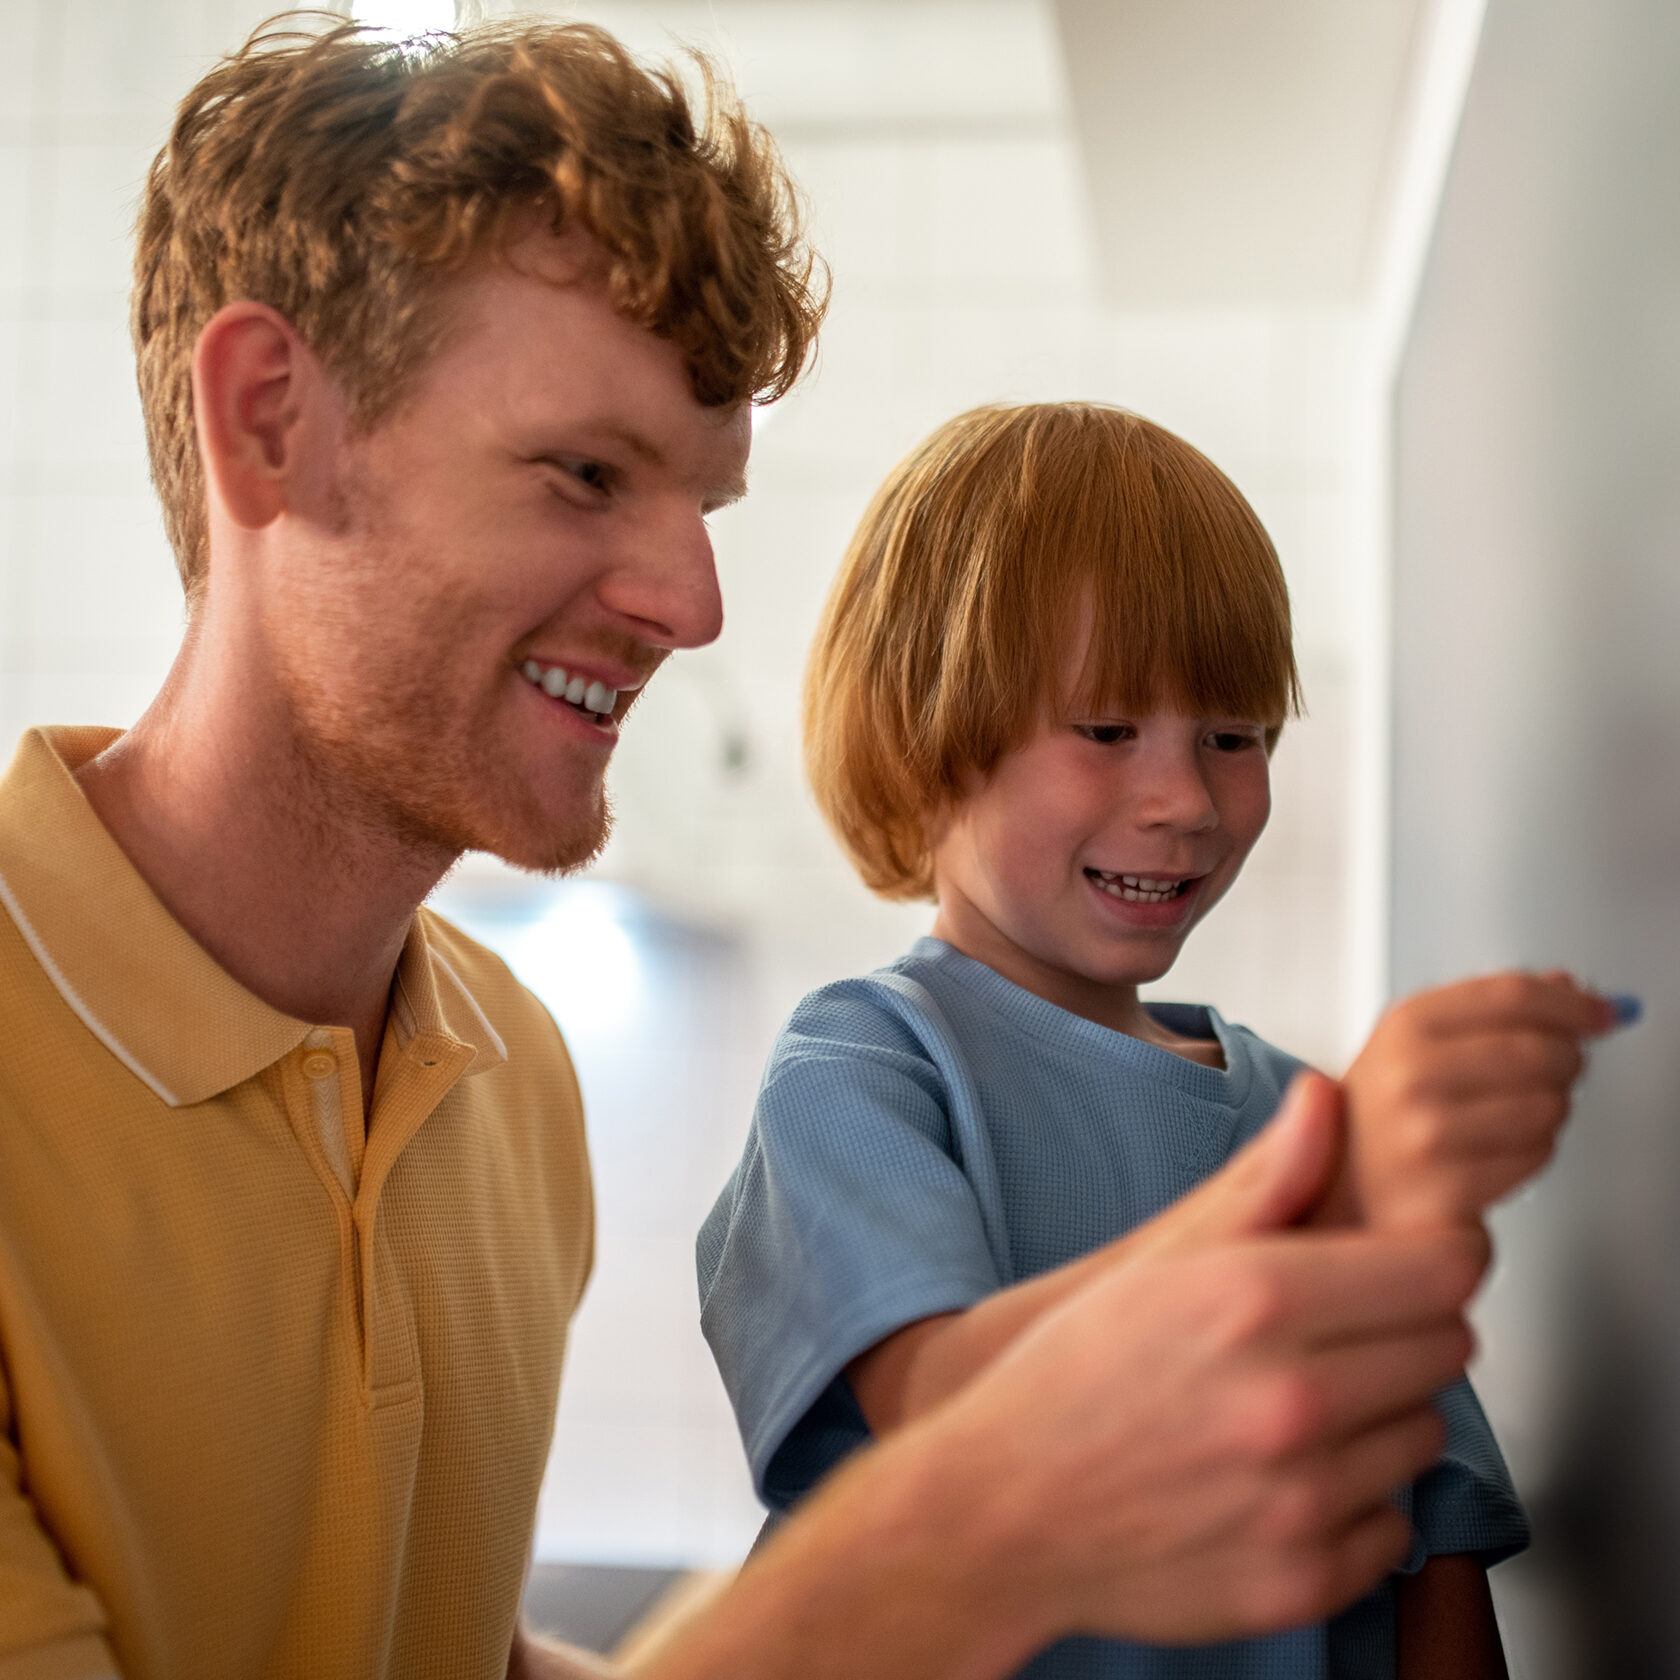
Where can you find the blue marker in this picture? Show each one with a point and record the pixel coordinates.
(1628, 1007)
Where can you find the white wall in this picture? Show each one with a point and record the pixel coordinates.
(1537, 794)
(89, 610)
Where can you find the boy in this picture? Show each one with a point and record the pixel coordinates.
(1045, 691)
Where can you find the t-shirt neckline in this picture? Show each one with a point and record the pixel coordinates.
(1028, 1012)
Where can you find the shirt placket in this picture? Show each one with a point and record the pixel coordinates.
(357, 1162)
(427, 1068)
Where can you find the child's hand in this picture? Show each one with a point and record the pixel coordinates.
(1458, 1097)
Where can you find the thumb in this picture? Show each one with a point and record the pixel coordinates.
(1267, 1185)
(1281, 1174)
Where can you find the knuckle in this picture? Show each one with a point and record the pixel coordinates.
(1404, 1024)
(1524, 1055)
(1426, 1437)
(1461, 1348)
(1300, 1509)
(1255, 1303)
(1302, 1590)
(1423, 1133)
(1285, 1412)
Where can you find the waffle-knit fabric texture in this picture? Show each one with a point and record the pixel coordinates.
(276, 1390)
(930, 1133)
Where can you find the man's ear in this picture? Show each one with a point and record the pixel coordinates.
(253, 378)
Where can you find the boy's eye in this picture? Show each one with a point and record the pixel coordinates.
(1104, 734)
(1233, 740)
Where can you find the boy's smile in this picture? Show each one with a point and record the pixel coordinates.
(1080, 865)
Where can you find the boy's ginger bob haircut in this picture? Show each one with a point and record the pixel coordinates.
(946, 633)
(339, 177)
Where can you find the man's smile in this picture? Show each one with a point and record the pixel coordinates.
(589, 696)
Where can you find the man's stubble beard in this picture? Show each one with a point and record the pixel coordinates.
(427, 792)
(437, 783)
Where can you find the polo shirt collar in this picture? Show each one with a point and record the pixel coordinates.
(154, 997)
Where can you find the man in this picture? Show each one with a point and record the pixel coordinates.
(445, 357)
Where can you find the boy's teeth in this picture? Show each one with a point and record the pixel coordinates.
(1136, 889)
(577, 691)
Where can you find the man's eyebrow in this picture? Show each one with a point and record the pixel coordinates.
(629, 437)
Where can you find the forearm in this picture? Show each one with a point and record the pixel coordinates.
(896, 1569)
(535, 1658)
(1444, 1623)
(920, 1366)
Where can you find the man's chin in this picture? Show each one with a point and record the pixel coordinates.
(538, 849)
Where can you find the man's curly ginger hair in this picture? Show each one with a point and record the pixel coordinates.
(339, 178)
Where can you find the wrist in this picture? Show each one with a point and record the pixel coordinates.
(954, 1517)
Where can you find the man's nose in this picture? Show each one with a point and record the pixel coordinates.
(667, 584)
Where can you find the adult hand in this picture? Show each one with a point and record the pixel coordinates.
(1194, 1449)
(1458, 1097)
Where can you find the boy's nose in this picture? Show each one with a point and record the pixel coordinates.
(1178, 797)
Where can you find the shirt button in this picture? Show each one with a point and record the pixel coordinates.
(319, 1064)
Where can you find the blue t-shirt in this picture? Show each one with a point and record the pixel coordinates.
(931, 1133)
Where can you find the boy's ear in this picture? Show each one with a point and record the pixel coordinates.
(254, 381)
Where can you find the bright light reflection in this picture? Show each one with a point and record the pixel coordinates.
(578, 958)
(405, 18)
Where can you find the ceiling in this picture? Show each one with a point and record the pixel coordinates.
(1238, 151)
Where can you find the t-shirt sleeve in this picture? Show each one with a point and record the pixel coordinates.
(848, 1217)
(51, 1627)
(1466, 1502)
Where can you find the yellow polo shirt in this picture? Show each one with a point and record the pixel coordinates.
(275, 1396)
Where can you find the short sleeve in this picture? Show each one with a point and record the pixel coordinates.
(51, 1627)
(1466, 1502)
(848, 1217)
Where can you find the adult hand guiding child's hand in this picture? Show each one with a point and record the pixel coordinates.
(1459, 1096)
(1217, 1435)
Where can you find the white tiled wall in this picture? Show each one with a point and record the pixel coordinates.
(933, 140)
(89, 608)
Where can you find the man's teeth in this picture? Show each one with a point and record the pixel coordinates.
(1136, 889)
(575, 691)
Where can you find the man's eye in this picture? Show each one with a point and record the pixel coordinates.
(1104, 734)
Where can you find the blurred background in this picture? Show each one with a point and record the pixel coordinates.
(1409, 270)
